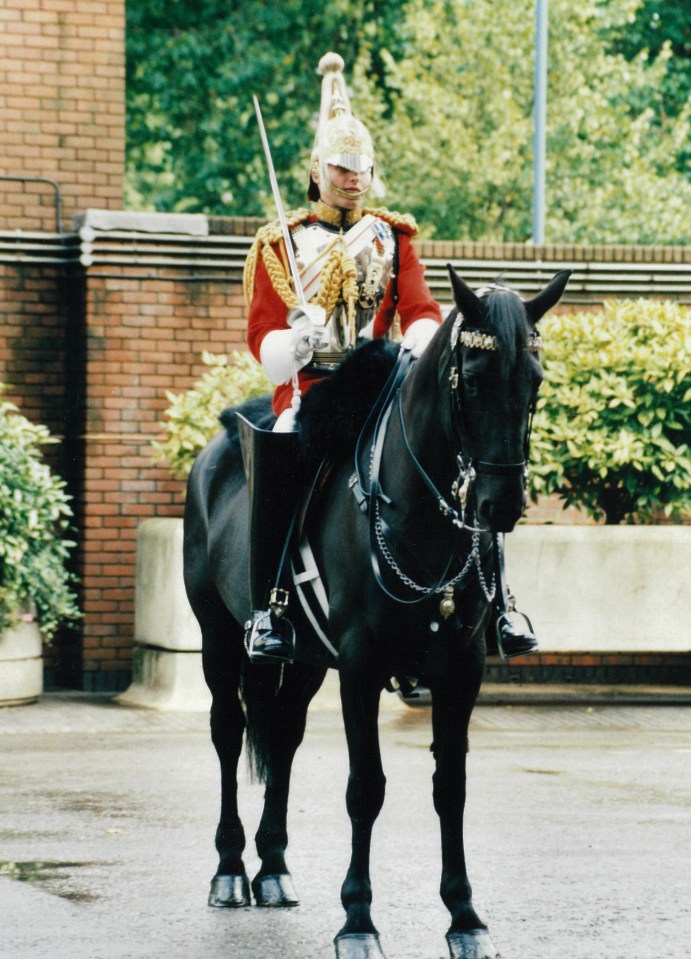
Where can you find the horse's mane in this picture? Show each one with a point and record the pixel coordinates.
(334, 410)
(501, 311)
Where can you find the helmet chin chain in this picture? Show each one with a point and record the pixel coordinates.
(348, 194)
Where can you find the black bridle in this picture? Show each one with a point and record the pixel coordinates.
(457, 416)
(370, 496)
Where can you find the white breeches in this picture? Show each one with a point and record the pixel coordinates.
(285, 422)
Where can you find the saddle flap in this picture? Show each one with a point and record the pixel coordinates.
(259, 444)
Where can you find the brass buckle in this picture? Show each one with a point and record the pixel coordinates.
(278, 600)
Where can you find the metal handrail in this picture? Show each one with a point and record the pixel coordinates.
(42, 179)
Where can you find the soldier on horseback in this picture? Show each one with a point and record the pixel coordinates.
(359, 274)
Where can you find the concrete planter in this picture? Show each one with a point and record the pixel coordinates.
(586, 589)
(167, 662)
(618, 589)
(21, 665)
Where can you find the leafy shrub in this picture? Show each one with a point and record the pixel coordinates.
(34, 518)
(611, 432)
(192, 417)
(613, 426)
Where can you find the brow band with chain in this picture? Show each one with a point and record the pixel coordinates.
(474, 339)
(487, 341)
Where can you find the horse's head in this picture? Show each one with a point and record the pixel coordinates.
(495, 374)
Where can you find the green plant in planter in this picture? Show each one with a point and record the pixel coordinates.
(613, 425)
(34, 522)
(192, 417)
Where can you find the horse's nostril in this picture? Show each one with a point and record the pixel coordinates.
(499, 516)
(486, 512)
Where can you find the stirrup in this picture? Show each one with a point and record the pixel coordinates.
(269, 638)
(515, 634)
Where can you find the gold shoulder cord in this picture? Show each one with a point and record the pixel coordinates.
(404, 221)
(338, 280)
(267, 237)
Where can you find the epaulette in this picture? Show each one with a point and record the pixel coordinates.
(268, 235)
(404, 222)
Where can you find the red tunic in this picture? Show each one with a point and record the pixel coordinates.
(415, 302)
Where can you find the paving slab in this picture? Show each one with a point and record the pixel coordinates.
(578, 834)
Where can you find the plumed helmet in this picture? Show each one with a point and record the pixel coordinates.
(341, 139)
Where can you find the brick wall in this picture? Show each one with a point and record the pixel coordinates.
(32, 341)
(143, 336)
(621, 669)
(62, 108)
(145, 328)
(90, 348)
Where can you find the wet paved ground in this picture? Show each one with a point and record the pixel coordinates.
(578, 835)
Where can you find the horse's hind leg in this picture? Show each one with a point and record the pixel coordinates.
(284, 727)
(222, 654)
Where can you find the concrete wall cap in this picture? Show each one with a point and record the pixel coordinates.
(128, 221)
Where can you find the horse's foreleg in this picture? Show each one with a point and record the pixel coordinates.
(221, 658)
(360, 692)
(273, 885)
(453, 700)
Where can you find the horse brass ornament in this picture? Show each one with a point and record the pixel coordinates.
(391, 559)
(447, 605)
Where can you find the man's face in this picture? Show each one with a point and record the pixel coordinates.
(348, 182)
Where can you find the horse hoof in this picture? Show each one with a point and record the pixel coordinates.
(275, 890)
(358, 945)
(230, 892)
(474, 944)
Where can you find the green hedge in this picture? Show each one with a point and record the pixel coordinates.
(613, 426)
(34, 527)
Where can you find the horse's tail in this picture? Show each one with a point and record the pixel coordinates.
(259, 689)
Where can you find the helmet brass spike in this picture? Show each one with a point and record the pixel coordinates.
(341, 139)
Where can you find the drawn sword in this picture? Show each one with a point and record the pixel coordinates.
(290, 252)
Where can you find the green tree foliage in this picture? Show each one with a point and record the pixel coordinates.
(656, 27)
(613, 427)
(661, 31)
(463, 114)
(34, 522)
(192, 67)
(446, 87)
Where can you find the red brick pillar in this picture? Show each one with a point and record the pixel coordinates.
(62, 109)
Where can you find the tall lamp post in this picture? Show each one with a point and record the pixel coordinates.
(540, 120)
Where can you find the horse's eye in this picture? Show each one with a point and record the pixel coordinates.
(470, 385)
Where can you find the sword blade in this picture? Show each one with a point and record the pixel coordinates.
(290, 252)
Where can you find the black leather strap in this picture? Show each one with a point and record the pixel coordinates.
(374, 426)
(501, 600)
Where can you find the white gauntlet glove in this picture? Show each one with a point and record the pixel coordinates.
(308, 332)
(367, 332)
(418, 335)
(283, 352)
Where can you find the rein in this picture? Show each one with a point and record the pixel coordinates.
(369, 499)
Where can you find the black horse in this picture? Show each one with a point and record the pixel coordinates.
(405, 531)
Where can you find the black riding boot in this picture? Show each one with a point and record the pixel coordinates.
(272, 467)
(512, 629)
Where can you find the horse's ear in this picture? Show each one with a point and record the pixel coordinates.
(538, 306)
(466, 301)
